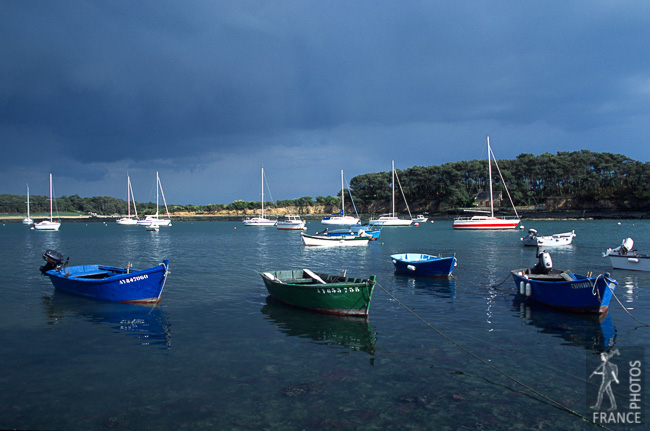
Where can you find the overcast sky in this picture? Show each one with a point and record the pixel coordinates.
(208, 92)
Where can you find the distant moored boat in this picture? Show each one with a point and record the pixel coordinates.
(28, 220)
(48, 224)
(488, 222)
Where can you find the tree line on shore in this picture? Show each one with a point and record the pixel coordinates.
(531, 180)
(583, 176)
(108, 205)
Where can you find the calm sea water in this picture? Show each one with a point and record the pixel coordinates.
(216, 355)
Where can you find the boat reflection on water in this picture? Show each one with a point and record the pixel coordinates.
(436, 286)
(352, 332)
(591, 331)
(147, 323)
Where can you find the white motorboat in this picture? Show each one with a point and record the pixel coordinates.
(625, 257)
(291, 222)
(558, 239)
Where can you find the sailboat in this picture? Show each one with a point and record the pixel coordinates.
(488, 222)
(340, 218)
(260, 221)
(28, 219)
(48, 224)
(129, 196)
(391, 219)
(154, 219)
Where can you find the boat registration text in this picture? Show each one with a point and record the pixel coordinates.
(582, 285)
(134, 279)
(339, 290)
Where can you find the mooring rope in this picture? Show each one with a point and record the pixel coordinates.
(503, 281)
(626, 310)
(557, 404)
(596, 292)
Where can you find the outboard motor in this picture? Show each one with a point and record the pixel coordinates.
(544, 263)
(53, 260)
(627, 245)
(532, 233)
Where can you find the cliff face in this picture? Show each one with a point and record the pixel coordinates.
(307, 210)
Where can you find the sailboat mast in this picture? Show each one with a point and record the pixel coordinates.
(157, 186)
(262, 192)
(342, 196)
(393, 166)
(27, 200)
(133, 198)
(50, 196)
(128, 196)
(490, 177)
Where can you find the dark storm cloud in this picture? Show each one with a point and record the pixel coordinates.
(185, 83)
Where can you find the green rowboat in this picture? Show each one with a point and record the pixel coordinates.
(324, 293)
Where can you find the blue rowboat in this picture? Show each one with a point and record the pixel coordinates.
(564, 290)
(424, 264)
(106, 283)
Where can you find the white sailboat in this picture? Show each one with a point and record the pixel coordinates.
(154, 219)
(260, 221)
(28, 219)
(129, 197)
(48, 224)
(391, 219)
(488, 222)
(340, 219)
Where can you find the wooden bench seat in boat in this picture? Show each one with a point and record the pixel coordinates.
(96, 275)
(553, 275)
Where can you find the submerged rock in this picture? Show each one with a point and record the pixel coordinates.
(302, 389)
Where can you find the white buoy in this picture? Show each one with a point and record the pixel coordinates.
(528, 289)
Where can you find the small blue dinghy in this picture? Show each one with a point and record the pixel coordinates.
(106, 283)
(564, 290)
(424, 264)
